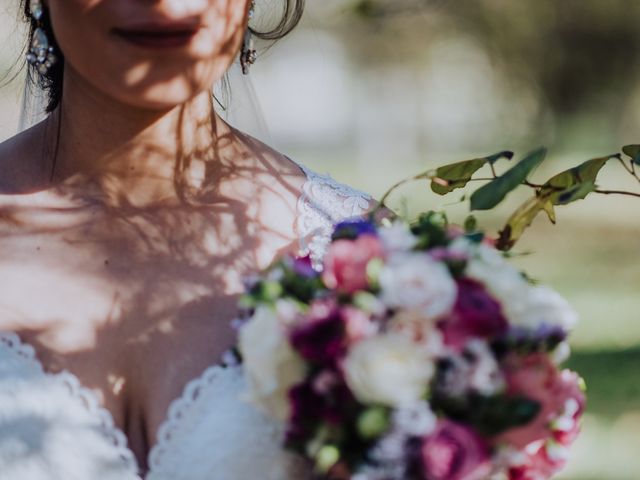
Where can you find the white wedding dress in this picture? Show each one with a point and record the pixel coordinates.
(53, 428)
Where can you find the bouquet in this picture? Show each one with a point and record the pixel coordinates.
(416, 352)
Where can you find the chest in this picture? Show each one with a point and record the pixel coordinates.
(135, 310)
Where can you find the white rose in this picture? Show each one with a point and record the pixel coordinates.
(271, 366)
(388, 369)
(543, 306)
(503, 280)
(524, 305)
(415, 281)
(397, 237)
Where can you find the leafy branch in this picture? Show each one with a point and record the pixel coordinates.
(563, 188)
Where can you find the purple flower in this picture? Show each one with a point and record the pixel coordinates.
(321, 339)
(352, 229)
(475, 315)
(311, 408)
(306, 411)
(303, 267)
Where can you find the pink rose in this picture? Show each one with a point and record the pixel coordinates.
(537, 378)
(454, 452)
(345, 265)
(475, 315)
(358, 324)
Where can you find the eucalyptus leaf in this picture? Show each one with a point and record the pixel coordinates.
(457, 175)
(491, 194)
(632, 151)
(549, 210)
(497, 156)
(575, 183)
(565, 187)
(577, 192)
(521, 219)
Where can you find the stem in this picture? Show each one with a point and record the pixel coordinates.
(493, 170)
(381, 203)
(633, 171)
(630, 170)
(617, 192)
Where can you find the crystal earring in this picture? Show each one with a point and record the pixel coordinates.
(41, 53)
(248, 53)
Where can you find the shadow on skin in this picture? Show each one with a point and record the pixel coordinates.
(165, 277)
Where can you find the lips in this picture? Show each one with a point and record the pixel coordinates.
(156, 36)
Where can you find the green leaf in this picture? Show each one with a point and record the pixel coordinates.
(457, 175)
(497, 156)
(490, 415)
(491, 194)
(575, 183)
(521, 219)
(565, 187)
(577, 192)
(632, 151)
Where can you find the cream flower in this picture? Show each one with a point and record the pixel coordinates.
(271, 366)
(524, 305)
(503, 280)
(414, 281)
(543, 306)
(397, 237)
(388, 369)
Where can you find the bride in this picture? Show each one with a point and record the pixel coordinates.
(129, 219)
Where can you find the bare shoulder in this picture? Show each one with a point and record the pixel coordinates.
(269, 161)
(21, 161)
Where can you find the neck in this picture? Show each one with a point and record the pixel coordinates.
(133, 154)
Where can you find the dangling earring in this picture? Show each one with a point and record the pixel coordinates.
(41, 53)
(248, 53)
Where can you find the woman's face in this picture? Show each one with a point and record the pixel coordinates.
(149, 53)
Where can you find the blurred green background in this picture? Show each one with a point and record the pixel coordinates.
(372, 91)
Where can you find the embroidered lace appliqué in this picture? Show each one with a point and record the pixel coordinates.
(324, 202)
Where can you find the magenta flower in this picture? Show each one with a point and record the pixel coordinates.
(311, 408)
(475, 315)
(454, 452)
(345, 265)
(321, 338)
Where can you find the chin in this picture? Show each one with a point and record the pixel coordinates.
(163, 92)
(161, 96)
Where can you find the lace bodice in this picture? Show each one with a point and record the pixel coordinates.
(51, 427)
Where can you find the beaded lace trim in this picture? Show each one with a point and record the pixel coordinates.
(322, 203)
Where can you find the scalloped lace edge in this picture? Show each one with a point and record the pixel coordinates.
(77, 391)
(178, 409)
